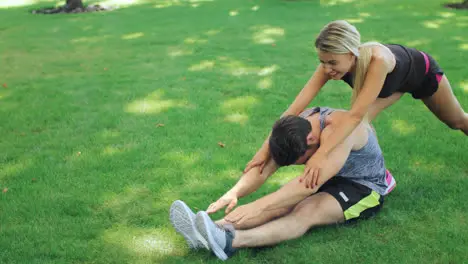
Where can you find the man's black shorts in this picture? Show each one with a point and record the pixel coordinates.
(356, 200)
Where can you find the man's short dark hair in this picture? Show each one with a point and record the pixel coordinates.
(288, 140)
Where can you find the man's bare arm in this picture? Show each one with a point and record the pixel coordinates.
(253, 179)
(295, 191)
(248, 183)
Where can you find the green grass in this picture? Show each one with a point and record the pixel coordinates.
(91, 176)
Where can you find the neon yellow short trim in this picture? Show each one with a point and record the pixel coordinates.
(369, 201)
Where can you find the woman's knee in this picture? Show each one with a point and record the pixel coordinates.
(459, 123)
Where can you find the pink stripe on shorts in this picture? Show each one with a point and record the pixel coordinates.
(428, 65)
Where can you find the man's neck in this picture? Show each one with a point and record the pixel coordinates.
(314, 121)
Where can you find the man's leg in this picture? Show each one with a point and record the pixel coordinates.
(318, 209)
(339, 199)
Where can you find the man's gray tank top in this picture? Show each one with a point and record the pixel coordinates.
(364, 166)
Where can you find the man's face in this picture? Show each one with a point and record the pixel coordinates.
(336, 65)
(304, 158)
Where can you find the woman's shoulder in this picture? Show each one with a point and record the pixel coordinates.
(382, 53)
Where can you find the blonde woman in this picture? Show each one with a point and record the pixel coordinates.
(379, 75)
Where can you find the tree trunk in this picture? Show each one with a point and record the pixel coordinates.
(458, 5)
(73, 4)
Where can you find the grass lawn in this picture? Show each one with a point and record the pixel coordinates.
(107, 118)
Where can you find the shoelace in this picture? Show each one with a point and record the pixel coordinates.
(220, 228)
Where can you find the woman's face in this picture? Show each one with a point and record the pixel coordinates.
(336, 65)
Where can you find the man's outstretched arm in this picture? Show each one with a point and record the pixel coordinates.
(294, 191)
(247, 184)
(251, 181)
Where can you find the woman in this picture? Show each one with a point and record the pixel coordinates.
(379, 75)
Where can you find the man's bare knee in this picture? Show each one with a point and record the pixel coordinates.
(318, 209)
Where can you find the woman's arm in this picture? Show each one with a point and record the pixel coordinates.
(307, 94)
(375, 78)
(373, 83)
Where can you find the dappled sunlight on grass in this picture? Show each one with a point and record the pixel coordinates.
(133, 35)
(171, 3)
(195, 40)
(233, 13)
(203, 65)
(178, 52)
(464, 46)
(121, 3)
(198, 182)
(135, 204)
(403, 127)
(265, 83)
(117, 149)
(143, 242)
(434, 24)
(12, 168)
(464, 86)
(446, 14)
(335, 2)
(109, 3)
(418, 42)
(18, 3)
(110, 133)
(239, 68)
(184, 158)
(268, 70)
(110, 117)
(431, 24)
(420, 163)
(266, 34)
(237, 118)
(203, 181)
(169, 194)
(90, 39)
(152, 104)
(212, 32)
(243, 103)
(355, 20)
(4, 94)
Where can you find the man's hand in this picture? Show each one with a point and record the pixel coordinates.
(312, 170)
(260, 159)
(243, 213)
(229, 200)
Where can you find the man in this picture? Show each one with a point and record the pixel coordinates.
(351, 185)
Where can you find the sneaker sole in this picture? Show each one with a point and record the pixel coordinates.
(202, 220)
(182, 221)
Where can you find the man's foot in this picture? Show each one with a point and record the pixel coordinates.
(219, 238)
(183, 220)
(391, 183)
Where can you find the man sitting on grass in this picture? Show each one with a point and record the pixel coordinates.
(351, 185)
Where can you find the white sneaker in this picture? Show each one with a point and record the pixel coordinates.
(183, 220)
(219, 238)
